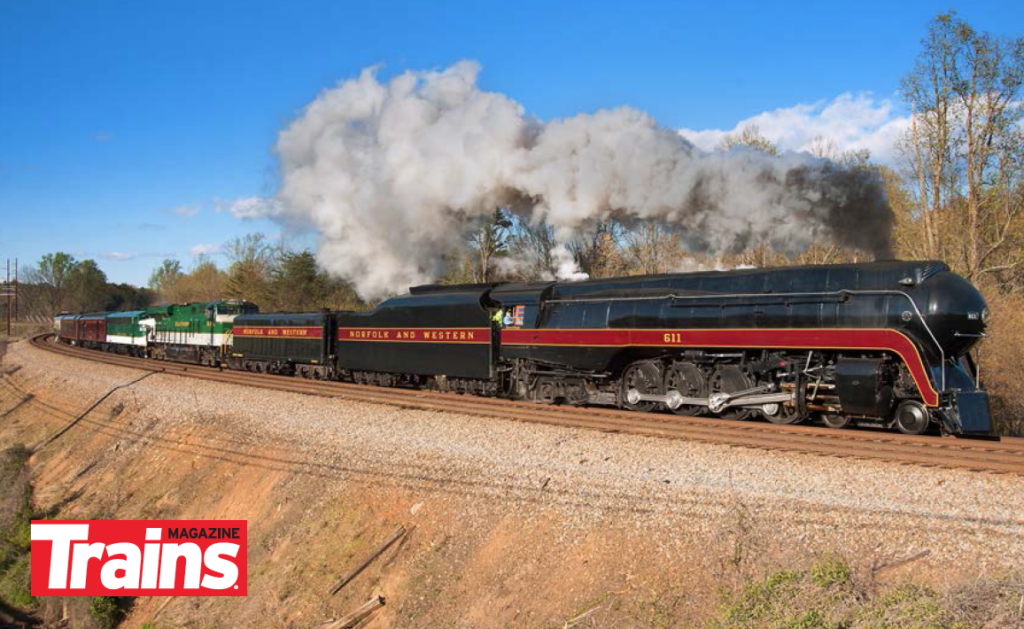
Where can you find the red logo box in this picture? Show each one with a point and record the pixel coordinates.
(139, 558)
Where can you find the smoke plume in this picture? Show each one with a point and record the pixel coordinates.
(392, 175)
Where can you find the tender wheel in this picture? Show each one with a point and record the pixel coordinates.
(729, 379)
(834, 420)
(690, 382)
(913, 418)
(645, 378)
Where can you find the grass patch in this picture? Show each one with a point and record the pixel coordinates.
(15, 530)
(826, 596)
(818, 598)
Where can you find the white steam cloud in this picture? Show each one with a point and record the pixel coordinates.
(393, 174)
(849, 121)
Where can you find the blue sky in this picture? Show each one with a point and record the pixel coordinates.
(125, 126)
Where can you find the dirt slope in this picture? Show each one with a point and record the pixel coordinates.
(510, 524)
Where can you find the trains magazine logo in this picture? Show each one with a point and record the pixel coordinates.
(139, 558)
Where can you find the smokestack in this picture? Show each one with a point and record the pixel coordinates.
(393, 175)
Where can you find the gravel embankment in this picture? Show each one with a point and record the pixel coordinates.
(585, 477)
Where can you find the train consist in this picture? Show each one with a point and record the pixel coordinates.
(882, 343)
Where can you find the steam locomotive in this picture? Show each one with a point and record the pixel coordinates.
(882, 343)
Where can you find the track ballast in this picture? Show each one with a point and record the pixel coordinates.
(1006, 456)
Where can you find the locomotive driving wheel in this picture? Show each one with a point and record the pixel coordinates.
(789, 413)
(645, 378)
(687, 379)
(730, 379)
(835, 420)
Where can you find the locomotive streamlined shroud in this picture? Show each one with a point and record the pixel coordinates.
(920, 312)
(434, 330)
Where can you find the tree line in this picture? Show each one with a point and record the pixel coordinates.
(271, 276)
(61, 283)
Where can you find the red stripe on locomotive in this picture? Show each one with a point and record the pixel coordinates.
(855, 339)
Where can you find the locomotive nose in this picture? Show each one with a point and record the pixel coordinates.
(955, 311)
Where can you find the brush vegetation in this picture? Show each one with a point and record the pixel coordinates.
(829, 596)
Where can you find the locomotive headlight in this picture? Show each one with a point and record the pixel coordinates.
(984, 315)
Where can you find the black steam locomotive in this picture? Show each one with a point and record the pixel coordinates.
(883, 343)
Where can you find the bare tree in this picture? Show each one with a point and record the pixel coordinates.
(649, 247)
(750, 135)
(252, 262)
(250, 248)
(963, 148)
(529, 249)
(164, 278)
(490, 241)
(594, 251)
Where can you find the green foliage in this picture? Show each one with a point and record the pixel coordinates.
(831, 573)
(764, 601)
(15, 584)
(109, 611)
(821, 597)
(252, 260)
(274, 279)
(52, 273)
(87, 286)
(163, 279)
(127, 297)
(15, 529)
(54, 268)
(62, 284)
(824, 596)
(297, 284)
(908, 607)
(247, 279)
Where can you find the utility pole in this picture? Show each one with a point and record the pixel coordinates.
(7, 291)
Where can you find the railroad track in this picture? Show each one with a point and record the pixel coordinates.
(1005, 456)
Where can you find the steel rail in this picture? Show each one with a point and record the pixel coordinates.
(1006, 456)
